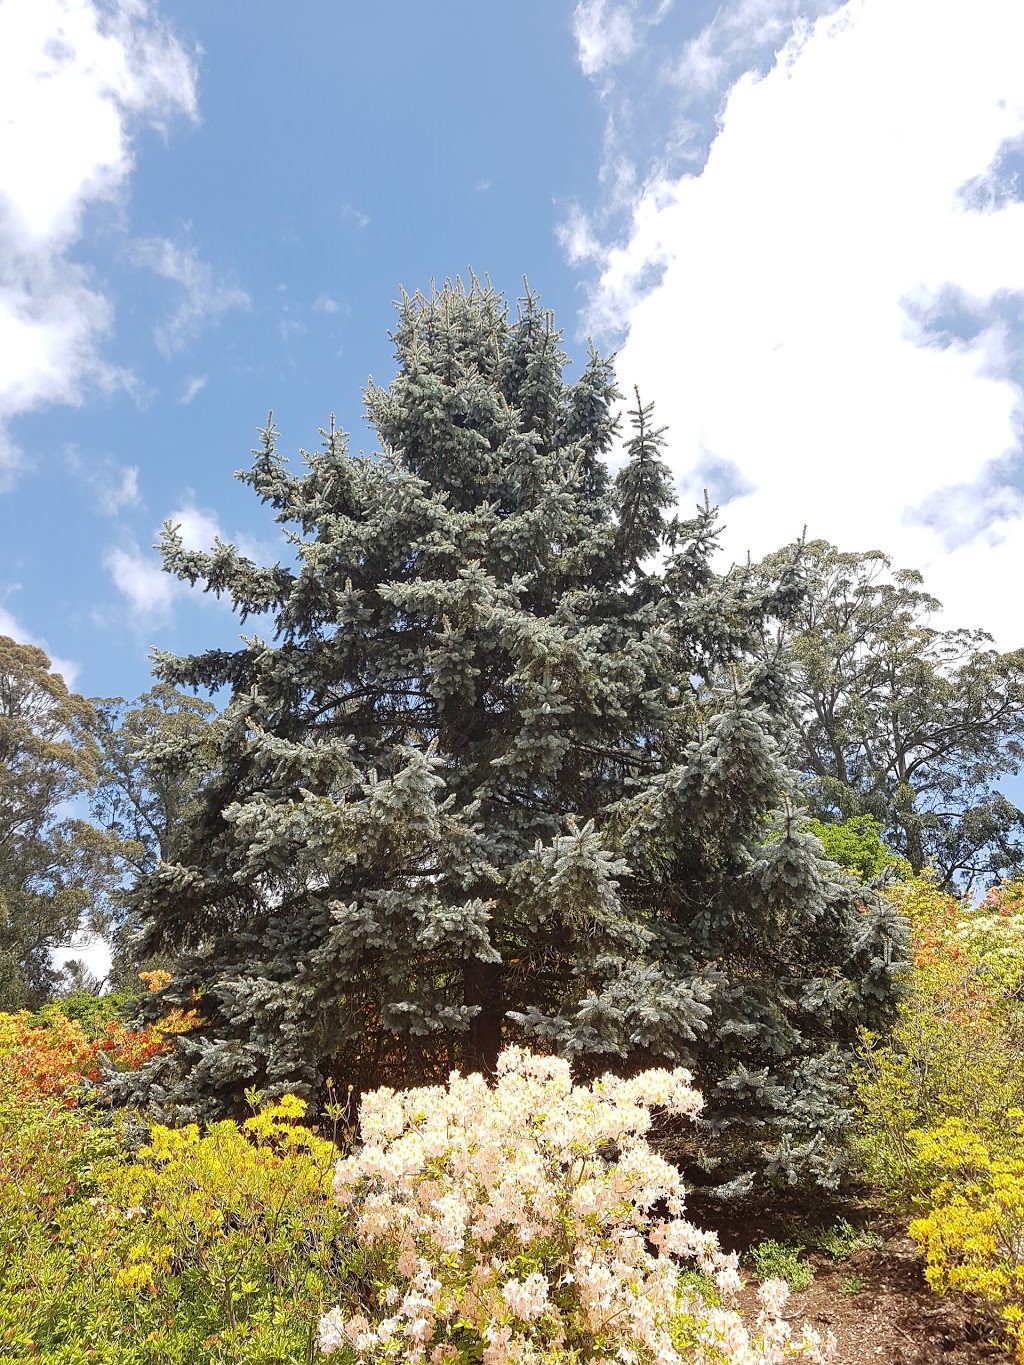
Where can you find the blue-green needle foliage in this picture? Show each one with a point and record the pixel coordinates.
(494, 768)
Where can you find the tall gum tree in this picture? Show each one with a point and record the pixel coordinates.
(54, 867)
(900, 720)
(489, 774)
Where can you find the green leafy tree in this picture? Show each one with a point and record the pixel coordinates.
(154, 758)
(53, 867)
(495, 775)
(899, 720)
(857, 845)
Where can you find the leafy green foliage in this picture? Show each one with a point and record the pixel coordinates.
(53, 869)
(780, 1260)
(841, 1240)
(857, 845)
(215, 1247)
(942, 1098)
(94, 1012)
(153, 761)
(898, 720)
(954, 1050)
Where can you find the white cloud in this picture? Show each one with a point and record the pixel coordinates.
(12, 627)
(92, 951)
(74, 78)
(578, 238)
(737, 36)
(785, 307)
(325, 304)
(204, 297)
(198, 529)
(114, 486)
(193, 388)
(142, 582)
(604, 34)
(123, 491)
(149, 591)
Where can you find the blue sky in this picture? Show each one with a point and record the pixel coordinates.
(798, 220)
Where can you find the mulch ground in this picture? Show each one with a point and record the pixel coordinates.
(876, 1301)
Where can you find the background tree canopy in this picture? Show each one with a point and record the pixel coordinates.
(52, 865)
(153, 759)
(898, 720)
(485, 772)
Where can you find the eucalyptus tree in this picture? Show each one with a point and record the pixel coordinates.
(53, 866)
(900, 720)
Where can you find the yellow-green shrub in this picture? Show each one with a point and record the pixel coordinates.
(954, 1052)
(215, 1246)
(935, 1094)
(973, 1235)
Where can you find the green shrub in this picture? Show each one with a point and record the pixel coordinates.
(842, 1239)
(93, 1012)
(781, 1261)
(215, 1246)
(956, 1046)
(942, 1098)
(856, 844)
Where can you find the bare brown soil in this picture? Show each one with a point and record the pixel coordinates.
(876, 1301)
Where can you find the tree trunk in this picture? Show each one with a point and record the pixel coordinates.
(482, 984)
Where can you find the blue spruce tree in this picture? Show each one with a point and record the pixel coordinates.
(501, 770)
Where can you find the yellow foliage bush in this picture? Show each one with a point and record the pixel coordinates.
(934, 1095)
(973, 1235)
(221, 1245)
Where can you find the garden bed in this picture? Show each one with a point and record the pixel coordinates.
(875, 1299)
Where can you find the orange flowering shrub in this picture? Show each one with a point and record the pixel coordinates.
(1005, 900)
(935, 917)
(56, 1056)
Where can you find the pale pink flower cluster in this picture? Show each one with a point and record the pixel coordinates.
(522, 1215)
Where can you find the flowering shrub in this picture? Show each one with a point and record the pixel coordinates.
(935, 1096)
(973, 1236)
(50, 1161)
(994, 936)
(531, 1221)
(53, 1054)
(220, 1246)
(955, 1048)
(57, 1057)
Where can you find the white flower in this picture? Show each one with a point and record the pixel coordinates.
(526, 1298)
(454, 1181)
(331, 1331)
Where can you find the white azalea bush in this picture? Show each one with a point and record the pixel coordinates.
(530, 1221)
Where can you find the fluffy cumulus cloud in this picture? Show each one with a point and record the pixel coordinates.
(828, 312)
(75, 77)
(149, 592)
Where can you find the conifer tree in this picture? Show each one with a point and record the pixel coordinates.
(493, 768)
